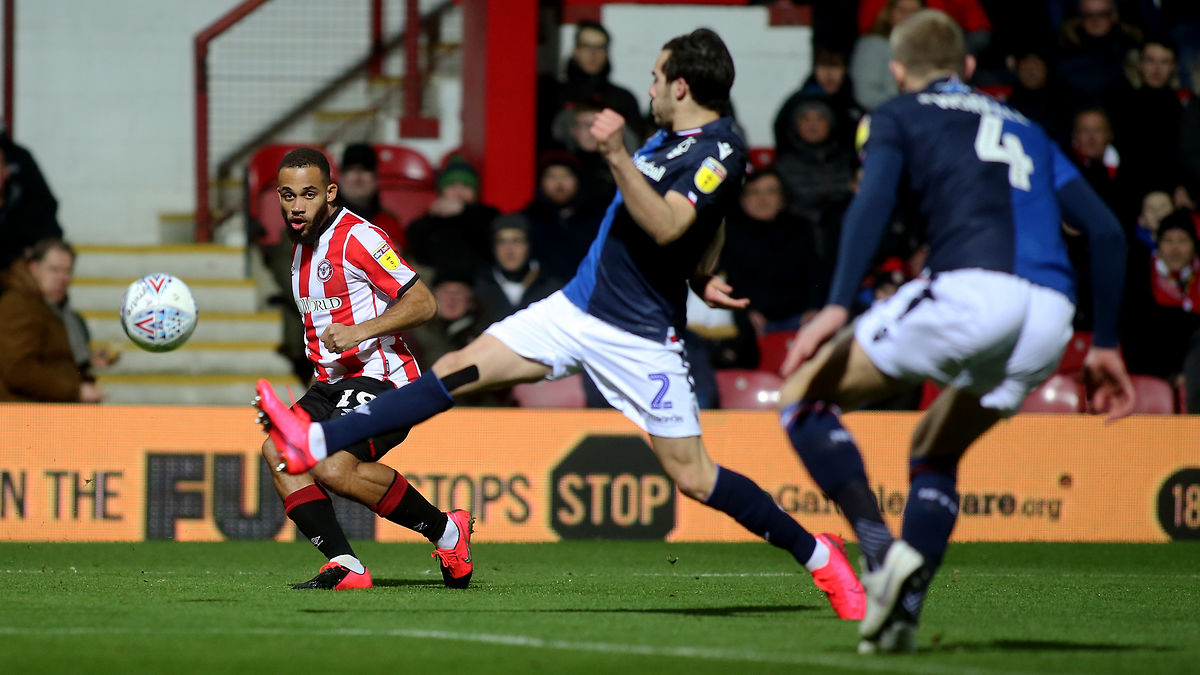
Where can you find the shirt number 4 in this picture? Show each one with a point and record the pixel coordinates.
(992, 145)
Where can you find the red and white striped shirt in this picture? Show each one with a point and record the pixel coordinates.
(352, 275)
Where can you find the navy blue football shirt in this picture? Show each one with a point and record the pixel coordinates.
(630, 281)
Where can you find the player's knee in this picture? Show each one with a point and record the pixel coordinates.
(335, 472)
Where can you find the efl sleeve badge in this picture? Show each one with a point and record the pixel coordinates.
(710, 175)
(386, 256)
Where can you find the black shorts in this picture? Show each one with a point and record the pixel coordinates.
(324, 401)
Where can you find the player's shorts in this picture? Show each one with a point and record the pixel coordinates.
(992, 334)
(325, 401)
(648, 381)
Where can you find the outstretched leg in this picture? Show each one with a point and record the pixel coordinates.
(486, 363)
(698, 477)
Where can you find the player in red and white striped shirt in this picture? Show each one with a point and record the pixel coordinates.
(356, 296)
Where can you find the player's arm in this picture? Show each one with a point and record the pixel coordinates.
(415, 306)
(710, 287)
(1109, 387)
(664, 218)
(862, 228)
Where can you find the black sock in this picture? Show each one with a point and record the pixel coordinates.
(312, 511)
(404, 505)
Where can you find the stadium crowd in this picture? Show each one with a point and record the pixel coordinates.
(1114, 82)
(1110, 80)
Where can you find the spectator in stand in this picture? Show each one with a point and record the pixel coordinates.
(358, 190)
(562, 220)
(1156, 205)
(587, 82)
(1146, 119)
(1181, 20)
(828, 81)
(1189, 139)
(455, 233)
(966, 13)
(769, 256)
(716, 339)
(817, 172)
(1161, 331)
(1100, 165)
(52, 264)
(873, 82)
(1092, 49)
(458, 318)
(572, 128)
(1099, 162)
(515, 280)
(28, 210)
(1037, 96)
(36, 363)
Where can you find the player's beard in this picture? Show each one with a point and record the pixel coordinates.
(311, 233)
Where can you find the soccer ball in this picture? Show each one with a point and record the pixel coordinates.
(158, 312)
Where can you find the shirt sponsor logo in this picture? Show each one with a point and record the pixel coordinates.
(724, 149)
(710, 175)
(324, 270)
(652, 170)
(682, 147)
(310, 305)
(386, 256)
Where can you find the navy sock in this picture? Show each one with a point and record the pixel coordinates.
(930, 513)
(416, 402)
(751, 506)
(834, 462)
(929, 518)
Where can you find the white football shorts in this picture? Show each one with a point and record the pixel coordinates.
(647, 381)
(995, 335)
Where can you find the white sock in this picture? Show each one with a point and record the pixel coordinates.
(316, 443)
(819, 557)
(449, 538)
(349, 562)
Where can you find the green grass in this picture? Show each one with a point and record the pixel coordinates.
(582, 607)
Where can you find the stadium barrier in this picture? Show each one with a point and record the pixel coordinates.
(79, 473)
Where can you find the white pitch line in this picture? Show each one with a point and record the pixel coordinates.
(890, 664)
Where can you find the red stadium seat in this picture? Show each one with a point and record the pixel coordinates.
(564, 393)
(406, 182)
(1060, 394)
(748, 389)
(1077, 349)
(262, 202)
(1154, 396)
(761, 158)
(773, 349)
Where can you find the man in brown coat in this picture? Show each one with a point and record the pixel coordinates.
(35, 355)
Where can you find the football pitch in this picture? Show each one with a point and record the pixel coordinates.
(582, 607)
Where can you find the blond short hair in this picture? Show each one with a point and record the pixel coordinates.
(928, 42)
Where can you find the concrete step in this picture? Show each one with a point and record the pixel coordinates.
(231, 390)
(265, 327)
(212, 295)
(186, 261)
(197, 358)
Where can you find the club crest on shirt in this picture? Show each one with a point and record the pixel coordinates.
(324, 270)
(386, 256)
(710, 175)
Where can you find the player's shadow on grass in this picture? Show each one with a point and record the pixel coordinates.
(432, 582)
(737, 610)
(1042, 646)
